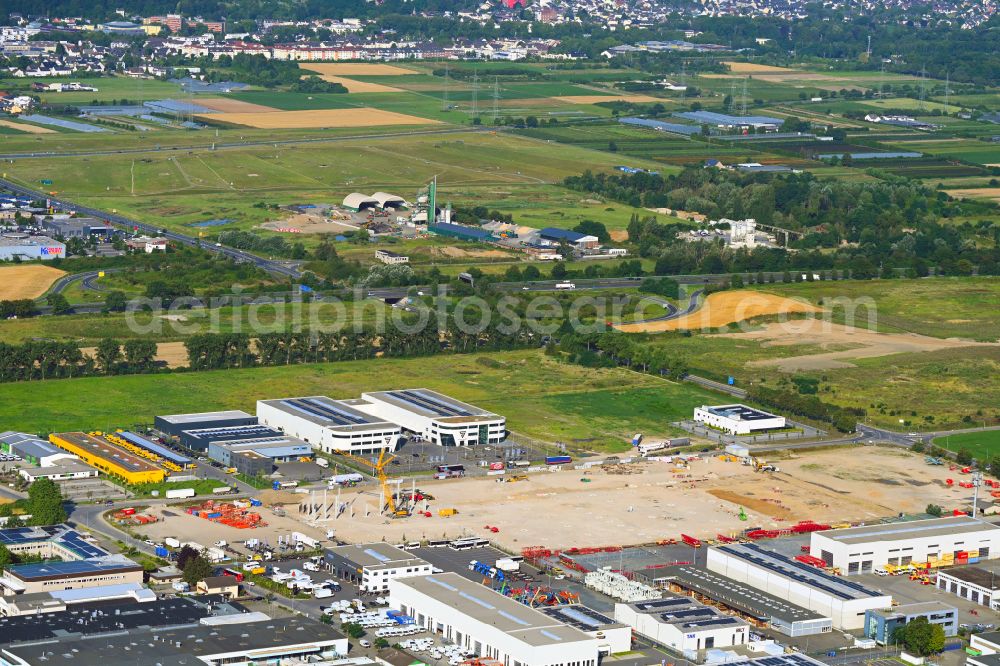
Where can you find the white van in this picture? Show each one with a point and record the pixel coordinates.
(322, 593)
(879, 571)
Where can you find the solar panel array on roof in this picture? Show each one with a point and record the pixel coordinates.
(161, 451)
(578, 616)
(429, 403)
(746, 599)
(205, 435)
(72, 568)
(799, 571)
(325, 411)
(68, 538)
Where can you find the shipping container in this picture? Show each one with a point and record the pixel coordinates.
(179, 493)
(222, 490)
(558, 460)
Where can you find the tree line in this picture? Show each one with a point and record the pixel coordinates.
(38, 360)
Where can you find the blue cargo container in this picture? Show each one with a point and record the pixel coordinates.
(161, 551)
(255, 502)
(557, 460)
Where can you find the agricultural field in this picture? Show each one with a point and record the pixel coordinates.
(544, 399)
(178, 189)
(28, 281)
(109, 88)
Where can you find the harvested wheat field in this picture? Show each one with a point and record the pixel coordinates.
(360, 117)
(29, 129)
(653, 502)
(861, 343)
(233, 106)
(594, 99)
(173, 354)
(17, 282)
(355, 69)
(726, 307)
(754, 68)
(359, 86)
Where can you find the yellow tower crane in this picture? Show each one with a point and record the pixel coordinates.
(378, 471)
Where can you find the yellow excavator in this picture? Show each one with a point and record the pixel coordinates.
(378, 471)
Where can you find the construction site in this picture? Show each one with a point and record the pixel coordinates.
(654, 501)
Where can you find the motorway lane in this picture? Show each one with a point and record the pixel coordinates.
(274, 267)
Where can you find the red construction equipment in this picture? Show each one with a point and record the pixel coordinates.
(722, 538)
(949, 482)
(966, 484)
(691, 541)
(811, 560)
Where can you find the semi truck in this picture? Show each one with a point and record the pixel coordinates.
(299, 537)
(322, 462)
(565, 285)
(179, 493)
(645, 448)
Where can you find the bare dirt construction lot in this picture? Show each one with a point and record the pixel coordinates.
(558, 510)
(355, 69)
(304, 223)
(233, 105)
(864, 343)
(173, 354)
(726, 307)
(360, 117)
(24, 127)
(17, 282)
(459, 253)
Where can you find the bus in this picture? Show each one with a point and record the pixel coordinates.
(451, 470)
(463, 544)
(565, 285)
(519, 463)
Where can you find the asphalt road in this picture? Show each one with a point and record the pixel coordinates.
(282, 269)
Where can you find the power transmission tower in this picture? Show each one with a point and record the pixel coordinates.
(947, 91)
(496, 98)
(732, 97)
(444, 98)
(475, 95)
(743, 104)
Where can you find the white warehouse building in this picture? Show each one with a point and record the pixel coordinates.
(861, 549)
(737, 419)
(435, 417)
(372, 565)
(491, 624)
(330, 425)
(683, 624)
(839, 599)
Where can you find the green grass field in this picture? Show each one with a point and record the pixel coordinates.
(175, 188)
(938, 307)
(108, 88)
(983, 445)
(540, 397)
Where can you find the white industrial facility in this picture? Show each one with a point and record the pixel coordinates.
(683, 624)
(372, 565)
(330, 425)
(839, 599)
(737, 419)
(435, 417)
(862, 549)
(977, 585)
(491, 624)
(18, 246)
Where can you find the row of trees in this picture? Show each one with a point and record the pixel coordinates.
(47, 359)
(612, 348)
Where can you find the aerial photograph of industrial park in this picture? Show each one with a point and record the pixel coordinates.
(499, 333)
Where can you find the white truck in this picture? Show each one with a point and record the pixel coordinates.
(299, 537)
(222, 490)
(507, 564)
(179, 493)
(310, 566)
(322, 462)
(565, 285)
(173, 542)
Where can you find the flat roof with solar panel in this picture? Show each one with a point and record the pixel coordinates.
(686, 614)
(429, 404)
(329, 413)
(60, 535)
(74, 569)
(798, 571)
(581, 617)
(202, 437)
(737, 596)
(482, 604)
